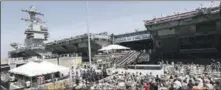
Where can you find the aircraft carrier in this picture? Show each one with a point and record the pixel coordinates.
(188, 37)
(193, 36)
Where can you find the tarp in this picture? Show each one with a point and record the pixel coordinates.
(54, 67)
(113, 47)
(28, 69)
(31, 69)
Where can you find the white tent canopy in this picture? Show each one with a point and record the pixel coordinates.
(28, 69)
(113, 47)
(34, 69)
(54, 67)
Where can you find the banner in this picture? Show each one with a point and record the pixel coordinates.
(133, 38)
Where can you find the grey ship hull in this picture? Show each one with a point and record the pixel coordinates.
(196, 39)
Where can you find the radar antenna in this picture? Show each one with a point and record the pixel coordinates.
(32, 12)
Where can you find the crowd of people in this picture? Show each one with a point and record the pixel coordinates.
(127, 81)
(176, 77)
(85, 77)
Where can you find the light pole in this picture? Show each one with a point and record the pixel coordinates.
(88, 34)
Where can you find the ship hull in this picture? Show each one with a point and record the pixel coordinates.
(173, 50)
(198, 44)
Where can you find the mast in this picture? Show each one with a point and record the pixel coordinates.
(32, 13)
(89, 36)
(37, 32)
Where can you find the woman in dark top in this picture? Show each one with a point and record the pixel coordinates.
(155, 86)
(190, 85)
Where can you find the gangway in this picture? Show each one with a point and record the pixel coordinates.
(128, 58)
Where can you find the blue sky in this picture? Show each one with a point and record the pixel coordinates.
(68, 18)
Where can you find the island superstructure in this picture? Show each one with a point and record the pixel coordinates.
(36, 34)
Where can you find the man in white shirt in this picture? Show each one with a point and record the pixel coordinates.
(177, 84)
(13, 78)
(28, 84)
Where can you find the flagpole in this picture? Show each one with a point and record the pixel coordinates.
(88, 33)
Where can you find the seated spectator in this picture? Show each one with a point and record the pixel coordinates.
(147, 86)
